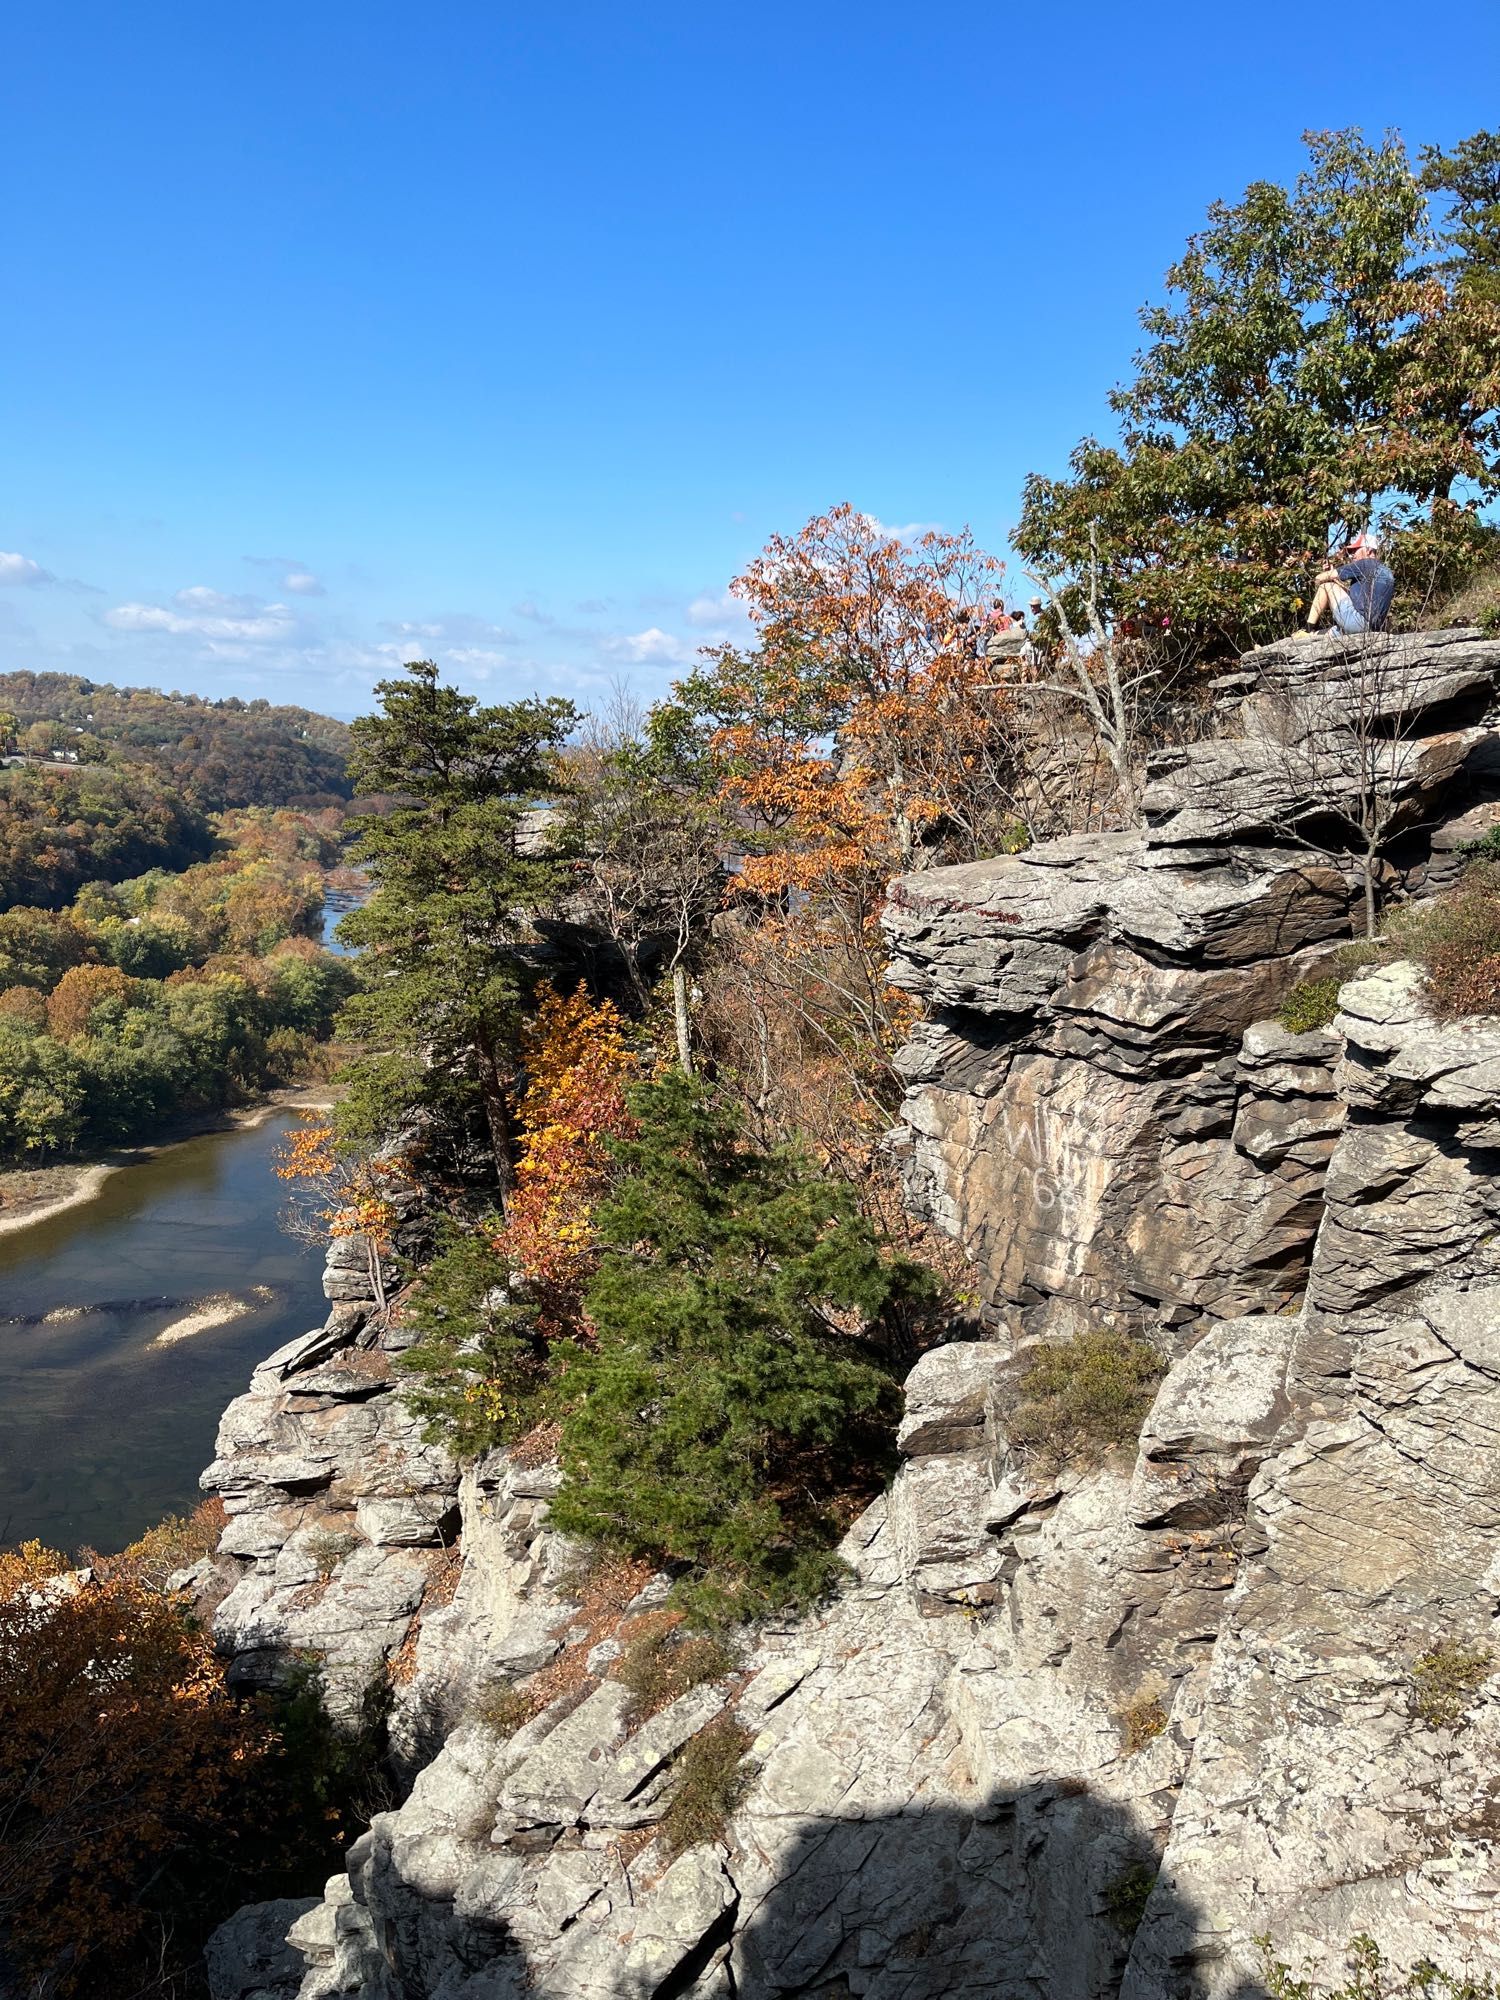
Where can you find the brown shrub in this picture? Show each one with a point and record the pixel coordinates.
(1081, 1397)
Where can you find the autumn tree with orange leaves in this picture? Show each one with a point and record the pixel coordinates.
(341, 1193)
(852, 729)
(123, 1760)
(579, 1064)
(862, 737)
(499, 1309)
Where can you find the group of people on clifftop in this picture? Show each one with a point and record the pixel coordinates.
(992, 633)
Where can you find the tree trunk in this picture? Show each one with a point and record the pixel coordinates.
(373, 1270)
(680, 1017)
(1369, 885)
(497, 1118)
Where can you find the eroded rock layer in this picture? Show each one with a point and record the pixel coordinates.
(1066, 1734)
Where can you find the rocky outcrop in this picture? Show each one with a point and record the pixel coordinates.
(1085, 1730)
(1086, 1114)
(341, 1516)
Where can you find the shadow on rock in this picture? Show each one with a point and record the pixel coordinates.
(1038, 1895)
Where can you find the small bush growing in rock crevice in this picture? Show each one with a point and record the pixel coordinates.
(712, 1778)
(657, 1666)
(1445, 1681)
(328, 1547)
(504, 1707)
(1456, 940)
(1311, 1004)
(1081, 1397)
(1126, 1897)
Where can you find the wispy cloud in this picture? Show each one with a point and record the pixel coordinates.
(296, 575)
(533, 612)
(201, 613)
(16, 568)
(907, 531)
(651, 648)
(715, 608)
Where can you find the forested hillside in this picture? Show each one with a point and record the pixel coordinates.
(220, 753)
(173, 992)
(62, 825)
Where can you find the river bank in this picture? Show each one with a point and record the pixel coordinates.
(30, 1195)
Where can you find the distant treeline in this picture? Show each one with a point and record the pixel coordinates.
(219, 754)
(174, 992)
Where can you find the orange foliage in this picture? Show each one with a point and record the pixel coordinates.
(120, 1752)
(79, 992)
(578, 1066)
(345, 1195)
(847, 733)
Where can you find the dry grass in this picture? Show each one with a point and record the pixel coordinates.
(1445, 1681)
(712, 1778)
(506, 1707)
(1469, 604)
(1141, 1720)
(173, 1544)
(660, 1663)
(1082, 1397)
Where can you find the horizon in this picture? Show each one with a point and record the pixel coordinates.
(508, 344)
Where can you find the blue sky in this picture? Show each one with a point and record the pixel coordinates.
(339, 332)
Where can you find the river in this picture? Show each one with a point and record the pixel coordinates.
(101, 1430)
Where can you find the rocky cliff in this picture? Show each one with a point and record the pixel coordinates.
(1064, 1733)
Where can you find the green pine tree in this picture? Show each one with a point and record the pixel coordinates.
(738, 1398)
(443, 972)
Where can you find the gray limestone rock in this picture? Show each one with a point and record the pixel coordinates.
(249, 1957)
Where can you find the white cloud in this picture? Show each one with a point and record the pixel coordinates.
(713, 609)
(651, 648)
(201, 613)
(16, 568)
(908, 531)
(529, 609)
(296, 575)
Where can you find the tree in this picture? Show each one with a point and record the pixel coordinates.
(1346, 751)
(1319, 363)
(123, 1760)
(652, 827)
(339, 1194)
(444, 970)
(578, 1067)
(846, 727)
(737, 1393)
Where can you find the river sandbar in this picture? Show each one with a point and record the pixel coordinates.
(207, 1313)
(86, 1184)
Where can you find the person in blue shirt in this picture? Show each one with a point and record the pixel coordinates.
(1356, 593)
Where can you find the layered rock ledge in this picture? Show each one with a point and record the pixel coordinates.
(1066, 1734)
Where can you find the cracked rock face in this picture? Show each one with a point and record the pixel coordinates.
(339, 1514)
(1086, 1731)
(1098, 1107)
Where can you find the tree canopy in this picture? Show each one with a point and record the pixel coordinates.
(1329, 354)
(445, 965)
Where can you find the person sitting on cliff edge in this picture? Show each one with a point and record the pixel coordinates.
(1356, 594)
